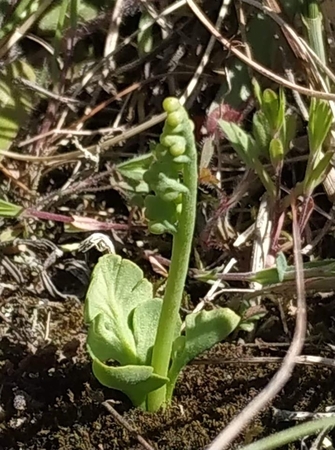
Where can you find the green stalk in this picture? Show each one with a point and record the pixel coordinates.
(292, 434)
(181, 249)
(312, 19)
(58, 38)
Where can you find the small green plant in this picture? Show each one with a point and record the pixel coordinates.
(273, 129)
(136, 341)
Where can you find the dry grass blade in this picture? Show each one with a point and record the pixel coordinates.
(113, 35)
(227, 436)
(204, 60)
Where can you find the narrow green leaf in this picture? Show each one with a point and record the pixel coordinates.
(242, 142)
(281, 110)
(15, 103)
(290, 130)
(270, 107)
(144, 38)
(320, 119)
(8, 209)
(257, 92)
(276, 151)
(261, 132)
(318, 173)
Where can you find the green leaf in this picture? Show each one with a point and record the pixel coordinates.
(144, 37)
(289, 131)
(8, 209)
(270, 107)
(320, 119)
(266, 276)
(257, 92)
(116, 288)
(135, 168)
(103, 342)
(202, 330)
(161, 213)
(281, 265)
(318, 173)
(261, 131)
(134, 381)
(15, 103)
(276, 152)
(242, 142)
(49, 20)
(281, 110)
(144, 322)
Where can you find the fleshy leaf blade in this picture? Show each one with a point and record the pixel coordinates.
(134, 381)
(116, 288)
(202, 330)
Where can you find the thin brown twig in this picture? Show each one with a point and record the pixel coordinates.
(18, 183)
(205, 58)
(118, 418)
(229, 434)
(301, 359)
(258, 67)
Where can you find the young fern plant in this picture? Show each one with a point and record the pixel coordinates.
(137, 342)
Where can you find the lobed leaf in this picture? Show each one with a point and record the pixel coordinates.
(202, 330)
(116, 288)
(134, 381)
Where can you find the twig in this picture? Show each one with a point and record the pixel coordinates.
(41, 90)
(310, 360)
(169, 10)
(304, 49)
(227, 436)
(118, 418)
(258, 67)
(161, 21)
(205, 58)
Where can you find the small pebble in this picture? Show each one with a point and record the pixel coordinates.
(20, 402)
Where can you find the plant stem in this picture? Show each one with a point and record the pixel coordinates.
(312, 19)
(181, 249)
(292, 434)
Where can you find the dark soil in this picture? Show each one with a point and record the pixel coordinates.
(50, 399)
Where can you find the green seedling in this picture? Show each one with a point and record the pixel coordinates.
(136, 341)
(272, 130)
